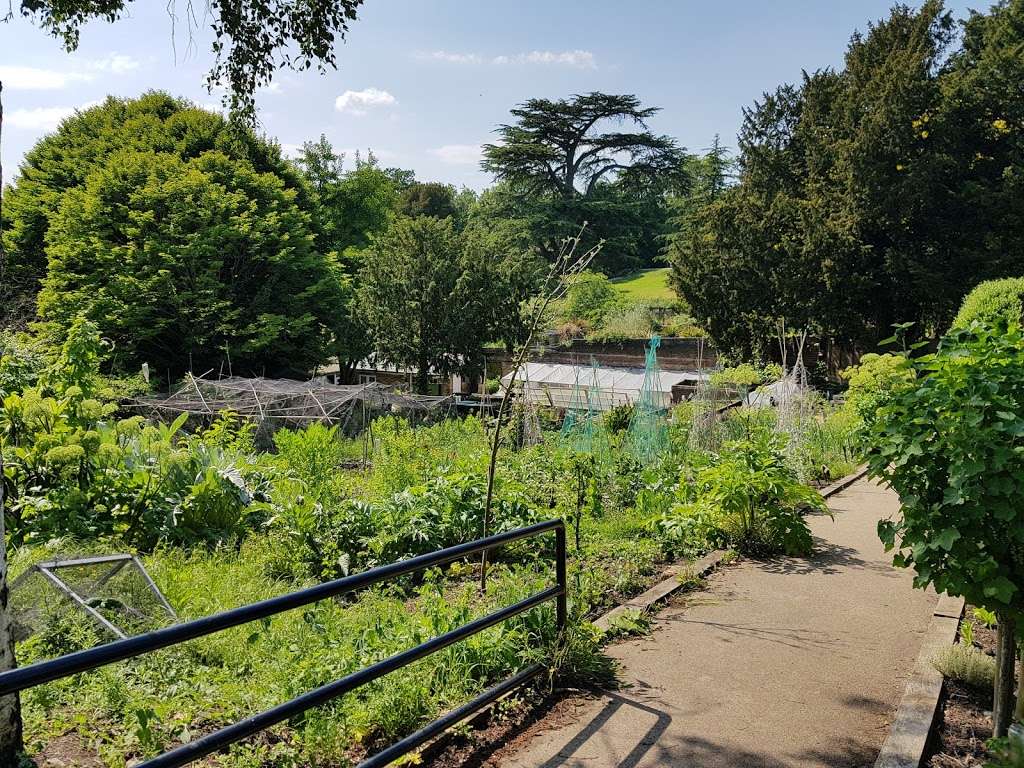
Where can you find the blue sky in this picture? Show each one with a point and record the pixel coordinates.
(424, 82)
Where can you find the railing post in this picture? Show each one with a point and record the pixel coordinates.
(562, 602)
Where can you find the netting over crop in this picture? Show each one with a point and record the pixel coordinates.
(795, 401)
(527, 418)
(287, 402)
(578, 424)
(648, 428)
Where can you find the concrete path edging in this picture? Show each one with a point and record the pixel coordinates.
(844, 482)
(671, 584)
(663, 589)
(908, 735)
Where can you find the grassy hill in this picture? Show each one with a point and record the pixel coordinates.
(645, 284)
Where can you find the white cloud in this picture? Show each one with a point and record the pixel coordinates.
(34, 79)
(458, 154)
(452, 58)
(19, 78)
(42, 118)
(579, 59)
(115, 63)
(39, 118)
(358, 102)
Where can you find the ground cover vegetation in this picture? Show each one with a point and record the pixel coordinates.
(220, 524)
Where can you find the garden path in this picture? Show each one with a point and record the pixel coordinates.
(790, 662)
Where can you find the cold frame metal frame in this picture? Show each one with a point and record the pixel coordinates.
(50, 568)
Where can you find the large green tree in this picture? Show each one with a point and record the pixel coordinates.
(875, 194)
(191, 264)
(568, 161)
(429, 198)
(251, 38)
(432, 296)
(350, 207)
(62, 162)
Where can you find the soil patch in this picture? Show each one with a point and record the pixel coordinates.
(964, 722)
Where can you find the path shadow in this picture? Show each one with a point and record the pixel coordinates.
(848, 753)
(615, 703)
(868, 704)
(696, 752)
(789, 637)
(828, 558)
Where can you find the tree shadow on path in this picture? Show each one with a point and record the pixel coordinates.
(828, 558)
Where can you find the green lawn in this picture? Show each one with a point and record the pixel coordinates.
(646, 284)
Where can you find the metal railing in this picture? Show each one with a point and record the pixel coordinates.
(82, 661)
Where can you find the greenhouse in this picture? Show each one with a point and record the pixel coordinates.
(560, 386)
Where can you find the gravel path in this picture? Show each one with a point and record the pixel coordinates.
(793, 662)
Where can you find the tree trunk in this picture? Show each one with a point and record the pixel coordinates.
(10, 706)
(1006, 656)
(1018, 713)
(422, 378)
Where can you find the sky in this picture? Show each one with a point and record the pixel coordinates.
(423, 83)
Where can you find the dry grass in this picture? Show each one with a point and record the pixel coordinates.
(966, 664)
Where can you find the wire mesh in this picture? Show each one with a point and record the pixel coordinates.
(114, 590)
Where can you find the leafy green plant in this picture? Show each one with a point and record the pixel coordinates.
(751, 496)
(991, 302)
(629, 624)
(871, 383)
(591, 297)
(967, 633)
(1006, 753)
(986, 617)
(951, 446)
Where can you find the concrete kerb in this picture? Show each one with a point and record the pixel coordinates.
(908, 735)
(844, 482)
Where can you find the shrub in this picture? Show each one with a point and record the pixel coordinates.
(992, 301)
(745, 376)
(871, 384)
(966, 665)
(617, 418)
(748, 496)
(950, 447)
(682, 326)
(590, 297)
(72, 469)
(632, 321)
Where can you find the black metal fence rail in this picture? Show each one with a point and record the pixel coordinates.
(91, 658)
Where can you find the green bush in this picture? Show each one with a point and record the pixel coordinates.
(746, 376)
(633, 321)
(748, 496)
(590, 297)
(872, 383)
(992, 301)
(71, 469)
(950, 446)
